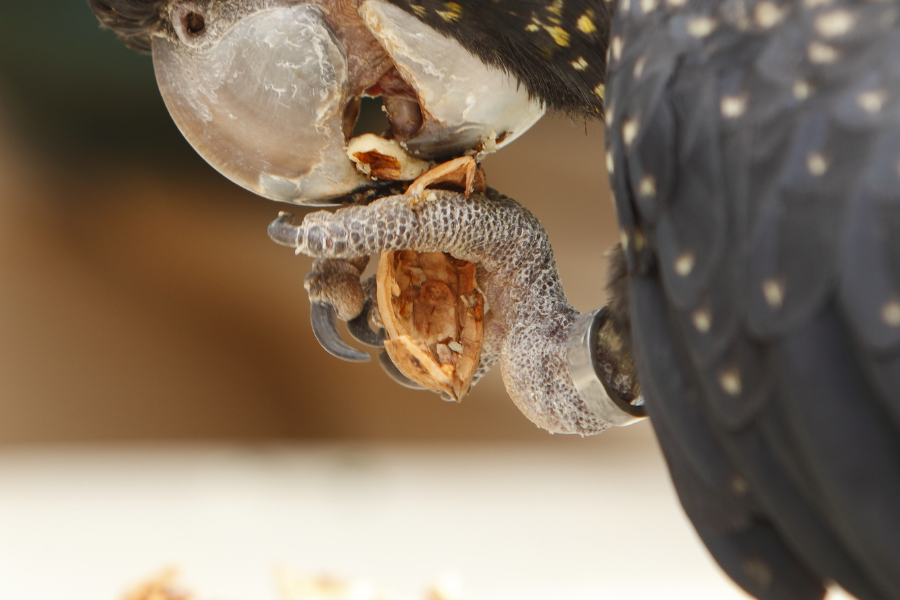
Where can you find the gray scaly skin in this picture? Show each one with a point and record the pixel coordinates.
(529, 316)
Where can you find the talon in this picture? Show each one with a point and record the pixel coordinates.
(283, 231)
(395, 374)
(363, 331)
(324, 325)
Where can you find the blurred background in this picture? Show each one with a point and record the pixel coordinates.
(163, 401)
(141, 297)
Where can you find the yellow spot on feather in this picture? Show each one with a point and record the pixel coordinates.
(559, 35)
(585, 22)
(453, 13)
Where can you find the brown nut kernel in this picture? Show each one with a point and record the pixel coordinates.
(433, 314)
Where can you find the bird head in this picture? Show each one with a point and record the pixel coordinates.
(268, 91)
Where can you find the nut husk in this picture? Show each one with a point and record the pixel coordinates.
(433, 314)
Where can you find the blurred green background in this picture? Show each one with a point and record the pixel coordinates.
(140, 297)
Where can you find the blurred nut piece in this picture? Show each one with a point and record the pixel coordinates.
(161, 587)
(433, 314)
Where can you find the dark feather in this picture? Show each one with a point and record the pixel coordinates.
(779, 142)
(131, 20)
(557, 49)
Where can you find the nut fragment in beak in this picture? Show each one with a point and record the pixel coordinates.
(384, 159)
(433, 314)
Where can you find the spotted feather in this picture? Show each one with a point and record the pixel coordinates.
(774, 274)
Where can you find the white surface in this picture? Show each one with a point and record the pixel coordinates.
(573, 519)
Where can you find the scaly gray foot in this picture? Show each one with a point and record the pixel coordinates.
(529, 318)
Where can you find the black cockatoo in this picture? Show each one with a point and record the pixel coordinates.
(754, 155)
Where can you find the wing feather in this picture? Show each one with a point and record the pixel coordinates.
(766, 295)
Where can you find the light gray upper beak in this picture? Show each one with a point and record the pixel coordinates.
(264, 104)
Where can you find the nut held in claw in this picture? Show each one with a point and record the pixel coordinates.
(433, 314)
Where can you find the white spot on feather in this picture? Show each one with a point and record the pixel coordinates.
(684, 264)
(733, 107)
(890, 313)
(835, 23)
(801, 89)
(773, 290)
(616, 47)
(768, 14)
(822, 54)
(871, 101)
(816, 163)
(629, 131)
(639, 67)
(647, 186)
(730, 381)
(702, 319)
(700, 27)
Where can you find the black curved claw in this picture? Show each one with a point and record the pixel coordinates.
(324, 325)
(394, 373)
(283, 231)
(362, 330)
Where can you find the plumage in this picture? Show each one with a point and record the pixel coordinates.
(132, 20)
(780, 121)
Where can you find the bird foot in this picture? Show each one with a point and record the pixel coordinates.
(529, 320)
(336, 290)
